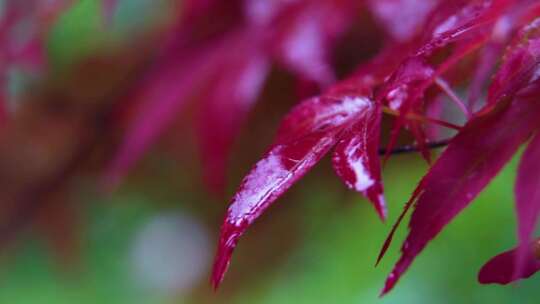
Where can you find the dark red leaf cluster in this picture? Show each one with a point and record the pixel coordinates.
(404, 80)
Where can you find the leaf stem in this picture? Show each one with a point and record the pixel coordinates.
(414, 148)
(421, 118)
(443, 85)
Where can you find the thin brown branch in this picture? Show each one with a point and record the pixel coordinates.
(414, 148)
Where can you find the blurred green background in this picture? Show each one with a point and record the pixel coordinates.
(154, 240)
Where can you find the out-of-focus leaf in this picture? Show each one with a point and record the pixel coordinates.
(304, 34)
(456, 20)
(58, 223)
(159, 99)
(225, 107)
(520, 59)
(108, 9)
(298, 34)
(490, 53)
(402, 18)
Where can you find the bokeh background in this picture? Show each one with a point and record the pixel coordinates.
(153, 240)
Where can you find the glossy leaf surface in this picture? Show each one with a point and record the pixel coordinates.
(482, 148)
(356, 158)
(308, 132)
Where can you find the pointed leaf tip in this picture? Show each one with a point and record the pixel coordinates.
(388, 285)
(380, 207)
(228, 239)
(306, 134)
(390, 236)
(356, 160)
(401, 266)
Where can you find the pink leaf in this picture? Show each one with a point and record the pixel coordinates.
(481, 149)
(527, 202)
(490, 54)
(184, 64)
(519, 61)
(402, 18)
(451, 22)
(405, 82)
(404, 91)
(501, 268)
(159, 98)
(304, 33)
(356, 158)
(31, 55)
(307, 133)
(434, 109)
(304, 136)
(456, 20)
(225, 107)
(501, 33)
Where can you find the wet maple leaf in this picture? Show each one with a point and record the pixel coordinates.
(305, 136)
(454, 31)
(482, 147)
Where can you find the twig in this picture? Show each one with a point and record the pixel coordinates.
(414, 148)
(443, 85)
